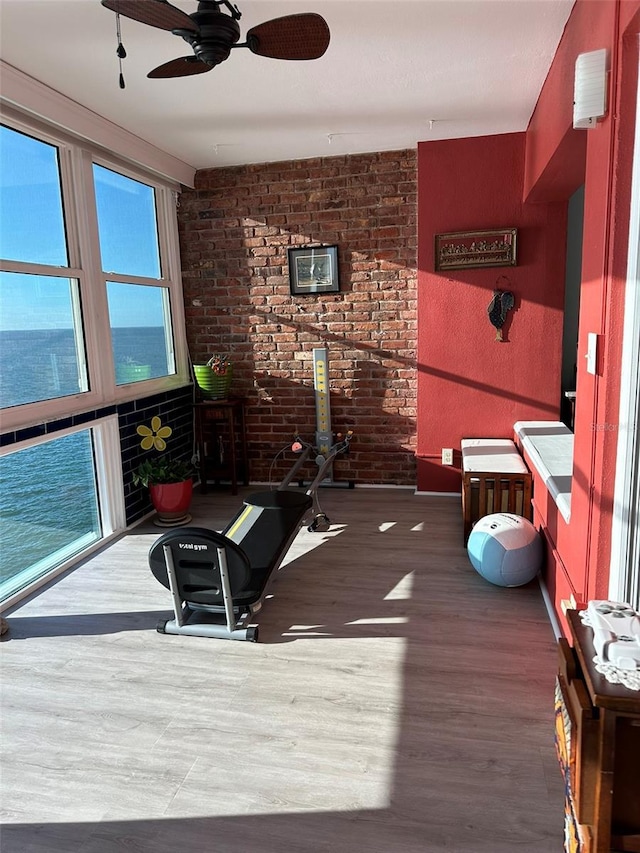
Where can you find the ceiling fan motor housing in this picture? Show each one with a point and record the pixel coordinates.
(217, 34)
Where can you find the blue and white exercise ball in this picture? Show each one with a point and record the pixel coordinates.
(505, 549)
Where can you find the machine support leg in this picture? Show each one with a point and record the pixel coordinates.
(322, 472)
(226, 590)
(173, 585)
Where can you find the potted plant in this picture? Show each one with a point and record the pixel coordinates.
(169, 480)
(130, 370)
(214, 377)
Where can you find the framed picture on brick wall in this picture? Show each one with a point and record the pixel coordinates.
(313, 269)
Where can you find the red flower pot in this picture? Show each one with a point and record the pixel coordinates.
(172, 501)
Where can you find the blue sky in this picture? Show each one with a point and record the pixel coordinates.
(32, 230)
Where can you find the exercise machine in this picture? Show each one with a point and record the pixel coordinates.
(218, 581)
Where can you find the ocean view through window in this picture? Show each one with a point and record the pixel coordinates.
(55, 516)
(38, 333)
(90, 317)
(142, 351)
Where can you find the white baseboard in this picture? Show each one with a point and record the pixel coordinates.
(550, 611)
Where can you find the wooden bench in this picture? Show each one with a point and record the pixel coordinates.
(494, 479)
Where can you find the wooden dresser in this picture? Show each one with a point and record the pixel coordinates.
(599, 749)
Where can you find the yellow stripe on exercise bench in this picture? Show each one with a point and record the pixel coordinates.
(239, 521)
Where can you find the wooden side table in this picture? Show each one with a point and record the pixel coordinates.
(604, 725)
(494, 479)
(221, 439)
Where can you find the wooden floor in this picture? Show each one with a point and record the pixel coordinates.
(396, 703)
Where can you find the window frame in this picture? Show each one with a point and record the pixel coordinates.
(76, 157)
(111, 507)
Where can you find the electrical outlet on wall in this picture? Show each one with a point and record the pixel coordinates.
(447, 455)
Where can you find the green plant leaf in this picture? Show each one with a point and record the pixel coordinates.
(164, 469)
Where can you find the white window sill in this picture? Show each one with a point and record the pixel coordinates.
(549, 446)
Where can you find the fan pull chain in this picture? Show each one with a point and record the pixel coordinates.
(120, 51)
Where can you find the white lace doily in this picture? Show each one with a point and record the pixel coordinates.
(627, 677)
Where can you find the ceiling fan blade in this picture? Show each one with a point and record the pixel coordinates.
(304, 36)
(182, 67)
(156, 13)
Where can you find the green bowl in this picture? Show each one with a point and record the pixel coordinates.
(212, 385)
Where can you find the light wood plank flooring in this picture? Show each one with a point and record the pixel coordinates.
(396, 702)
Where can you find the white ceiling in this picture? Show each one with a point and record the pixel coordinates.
(395, 73)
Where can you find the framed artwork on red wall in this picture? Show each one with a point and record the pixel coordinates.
(466, 249)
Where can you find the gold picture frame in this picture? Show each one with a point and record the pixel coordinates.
(469, 249)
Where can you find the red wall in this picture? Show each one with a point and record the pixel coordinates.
(582, 548)
(468, 384)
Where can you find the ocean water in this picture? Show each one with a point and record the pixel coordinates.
(42, 364)
(48, 497)
(48, 502)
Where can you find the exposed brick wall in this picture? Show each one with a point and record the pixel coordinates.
(235, 229)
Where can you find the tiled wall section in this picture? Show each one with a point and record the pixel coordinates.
(174, 408)
(9, 438)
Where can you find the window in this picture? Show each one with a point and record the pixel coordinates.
(31, 193)
(126, 224)
(140, 331)
(139, 313)
(48, 507)
(90, 296)
(41, 345)
(90, 316)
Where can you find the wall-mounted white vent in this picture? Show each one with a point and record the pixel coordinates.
(590, 88)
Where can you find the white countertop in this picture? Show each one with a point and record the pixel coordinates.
(549, 445)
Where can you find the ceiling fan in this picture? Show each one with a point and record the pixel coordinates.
(212, 33)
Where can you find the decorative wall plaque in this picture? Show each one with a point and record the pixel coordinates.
(468, 249)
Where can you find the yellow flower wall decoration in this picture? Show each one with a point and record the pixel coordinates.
(154, 436)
